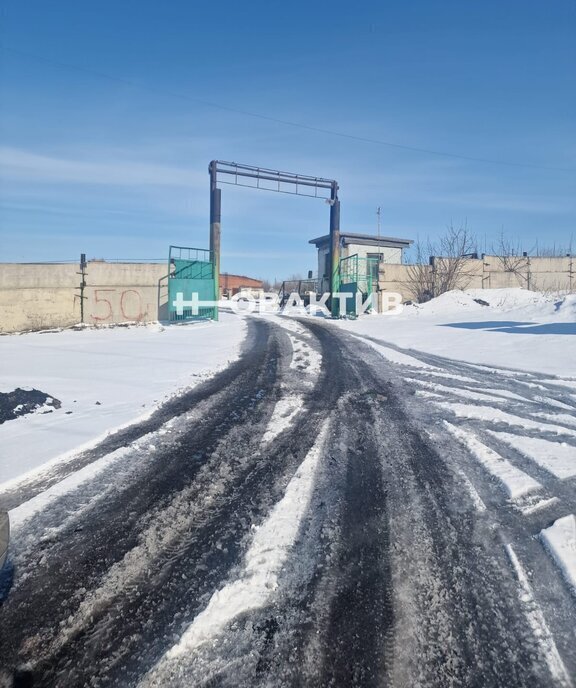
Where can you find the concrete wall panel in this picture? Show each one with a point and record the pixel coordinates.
(37, 309)
(39, 296)
(119, 303)
(38, 275)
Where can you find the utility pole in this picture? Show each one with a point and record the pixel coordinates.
(82, 273)
(334, 247)
(379, 216)
(215, 219)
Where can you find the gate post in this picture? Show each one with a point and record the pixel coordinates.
(334, 248)
(215, 218)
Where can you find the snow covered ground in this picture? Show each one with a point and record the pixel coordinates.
(491, 389)
(104, 378)
(518, 329)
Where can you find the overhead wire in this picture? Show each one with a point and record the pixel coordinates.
(285, 122)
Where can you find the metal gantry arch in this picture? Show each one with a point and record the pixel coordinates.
(280, 182)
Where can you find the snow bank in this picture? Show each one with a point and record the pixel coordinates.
(566, 307)
(500, 300)
(104, 379)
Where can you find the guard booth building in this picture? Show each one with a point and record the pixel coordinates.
(369, 248)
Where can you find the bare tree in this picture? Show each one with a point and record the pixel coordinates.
(448, 266)
(555, 251)
(420, 280)
(512, 260)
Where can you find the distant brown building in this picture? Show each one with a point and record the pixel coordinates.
(232, 284)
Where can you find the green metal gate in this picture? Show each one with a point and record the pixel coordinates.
(191, 285)
(357, 275)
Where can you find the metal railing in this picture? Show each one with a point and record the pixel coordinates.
(360, 271)
(302, 287)
(190, 254)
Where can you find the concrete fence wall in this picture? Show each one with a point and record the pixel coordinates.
(38, 296)
(493, 272)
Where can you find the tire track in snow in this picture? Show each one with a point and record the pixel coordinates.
(521, 410)
(258, 578)
(285, 410)
(516, 483)
(529, 409)
(494, 415)
(72, 567)
(538, 624)
(401, 583)
(517, 381)
(433, 550)
(138, 593)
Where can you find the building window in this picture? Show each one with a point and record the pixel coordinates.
(327, 265)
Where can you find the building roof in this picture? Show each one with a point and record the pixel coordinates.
(227, 279)
(363, 240)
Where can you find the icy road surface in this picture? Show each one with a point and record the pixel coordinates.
(327, 511)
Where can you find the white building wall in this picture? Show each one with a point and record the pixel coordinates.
(390, 255)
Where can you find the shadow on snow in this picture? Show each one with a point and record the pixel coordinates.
(513, 327)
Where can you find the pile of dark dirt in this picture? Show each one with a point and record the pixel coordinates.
(23, 401)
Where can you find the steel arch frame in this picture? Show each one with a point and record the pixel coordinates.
(264, 178)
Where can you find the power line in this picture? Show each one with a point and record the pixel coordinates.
(285, 122)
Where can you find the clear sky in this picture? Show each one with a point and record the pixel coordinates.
(111, 110)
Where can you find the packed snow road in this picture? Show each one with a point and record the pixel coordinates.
(328, 511)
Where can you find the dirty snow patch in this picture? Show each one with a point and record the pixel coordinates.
(304, 357)
(465, 393)
(476, 498)
(42, 500)
(531, 506)
(282, 416)
(497, 416)
(538, 623)
(515, 482)
(564, 418)
(263, 562)
(397, 357)
(558, 458)
(560, 541)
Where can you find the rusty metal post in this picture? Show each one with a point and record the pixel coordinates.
(215, 218)
(334, 248)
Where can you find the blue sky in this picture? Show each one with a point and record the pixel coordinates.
(108, 121)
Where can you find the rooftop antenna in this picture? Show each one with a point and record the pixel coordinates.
(378, 215)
